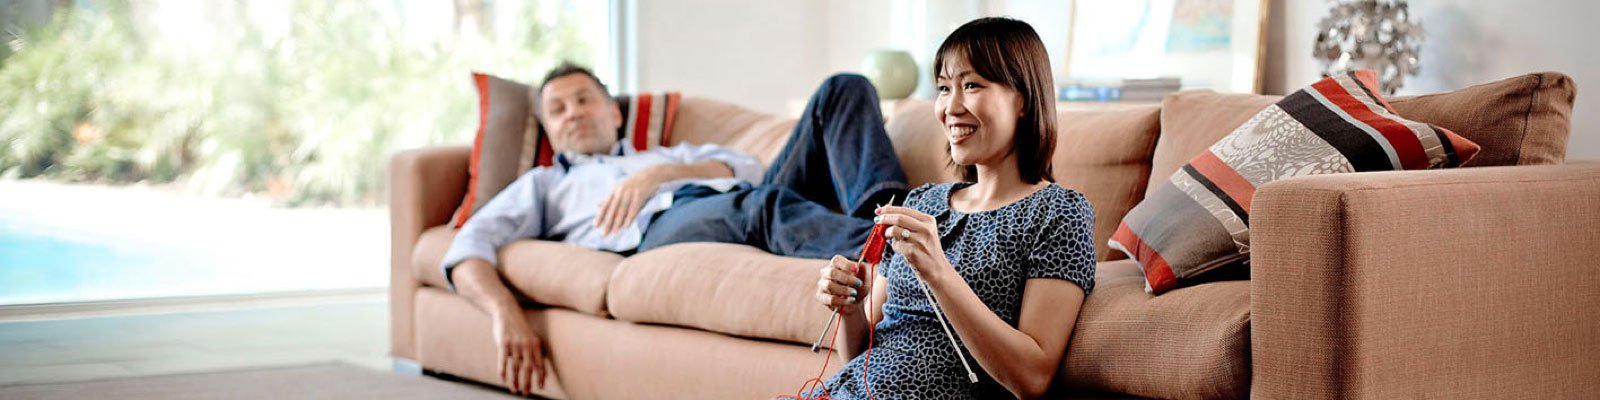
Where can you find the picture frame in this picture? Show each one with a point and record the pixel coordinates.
(1205, 44)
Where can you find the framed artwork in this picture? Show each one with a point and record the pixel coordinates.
(1206, 44)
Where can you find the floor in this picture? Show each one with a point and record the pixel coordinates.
(177, 339)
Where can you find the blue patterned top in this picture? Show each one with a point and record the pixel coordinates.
(1049, 234)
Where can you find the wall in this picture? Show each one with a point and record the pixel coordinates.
(1468, 42)
(766, 55)
(769, 55)
(758, 54)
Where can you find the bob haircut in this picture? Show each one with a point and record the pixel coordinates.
(1009, 52)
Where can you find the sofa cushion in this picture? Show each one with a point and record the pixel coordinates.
(503, 125)
(1521, 120)
(1104, 154)
(1192, 342)
(728, 288)
(920, 143)
(1193, 120)
(550, 273)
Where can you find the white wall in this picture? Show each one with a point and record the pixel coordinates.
(1469, 42)
(758, 54)
(766, 54)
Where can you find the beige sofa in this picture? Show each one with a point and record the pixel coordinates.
(1470, 283)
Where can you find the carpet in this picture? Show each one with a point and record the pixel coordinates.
(316, 381)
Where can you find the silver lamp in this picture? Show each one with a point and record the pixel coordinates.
(1380, 35)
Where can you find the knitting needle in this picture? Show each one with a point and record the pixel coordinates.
(832, 319)
(973, 377)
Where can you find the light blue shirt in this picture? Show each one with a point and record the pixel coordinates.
(561, 202)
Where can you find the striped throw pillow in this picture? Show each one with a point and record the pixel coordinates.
(646, 124)
(1195, 227)
(509, 127)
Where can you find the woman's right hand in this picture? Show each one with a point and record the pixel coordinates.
(843, 285)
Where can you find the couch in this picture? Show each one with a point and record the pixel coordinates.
(1477, 282)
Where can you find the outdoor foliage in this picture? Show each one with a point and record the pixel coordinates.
(300, 101)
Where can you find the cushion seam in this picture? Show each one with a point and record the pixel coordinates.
(1527, 117)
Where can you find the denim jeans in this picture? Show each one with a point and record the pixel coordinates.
(817, 198)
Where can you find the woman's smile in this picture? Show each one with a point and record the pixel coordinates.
(960, 132)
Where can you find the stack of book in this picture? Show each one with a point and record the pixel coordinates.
(1153, 89)
(1143, 90)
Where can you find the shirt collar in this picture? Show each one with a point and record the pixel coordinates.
(567, 159)
(939, 207)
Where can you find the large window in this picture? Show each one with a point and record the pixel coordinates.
(176, 148)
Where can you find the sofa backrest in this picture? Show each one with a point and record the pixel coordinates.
(1104, 154)
(704, 120)
(1114, 156)
(1522, 120)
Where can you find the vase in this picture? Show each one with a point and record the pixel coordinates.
(892, 72)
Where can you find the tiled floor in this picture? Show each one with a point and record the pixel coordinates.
(354, 332)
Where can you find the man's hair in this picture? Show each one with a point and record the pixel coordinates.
(1009, 52)
(562, 70)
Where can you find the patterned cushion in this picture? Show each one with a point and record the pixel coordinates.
(510, 140)
(1195, 227)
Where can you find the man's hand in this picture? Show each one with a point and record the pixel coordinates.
(521, 354)
(619, 209)
(622, 207)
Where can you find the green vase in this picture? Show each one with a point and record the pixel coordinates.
(893, 72)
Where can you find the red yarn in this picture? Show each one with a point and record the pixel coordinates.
(871, 255)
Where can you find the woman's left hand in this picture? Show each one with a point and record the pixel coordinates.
(915, 236)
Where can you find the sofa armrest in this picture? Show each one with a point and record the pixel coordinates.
(425, 188)
(1466, 283)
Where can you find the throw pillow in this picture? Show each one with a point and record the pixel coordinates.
(1195, 226)
(510, 141)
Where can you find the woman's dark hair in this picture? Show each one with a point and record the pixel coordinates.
(1009, 52)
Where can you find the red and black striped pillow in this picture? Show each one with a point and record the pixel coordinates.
(508, 127)
(646, 124)
(1195, 227)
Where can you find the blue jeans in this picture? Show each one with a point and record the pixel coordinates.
(817, 198)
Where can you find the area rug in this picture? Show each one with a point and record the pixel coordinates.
(316, 381)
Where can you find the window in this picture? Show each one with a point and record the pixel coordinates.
(178, 148)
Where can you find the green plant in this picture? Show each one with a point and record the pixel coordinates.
(303, 108)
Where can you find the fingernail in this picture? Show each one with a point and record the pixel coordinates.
(852, 292)
(877, 219)
(858, 284)
(878, 210)
(852, 299)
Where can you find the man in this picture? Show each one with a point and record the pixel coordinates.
(603, 195)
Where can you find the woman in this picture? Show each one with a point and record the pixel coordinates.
(1006, 255)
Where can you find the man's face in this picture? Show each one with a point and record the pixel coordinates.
(577, 116)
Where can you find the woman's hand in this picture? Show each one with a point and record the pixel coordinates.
(915, 236)
(843, 285)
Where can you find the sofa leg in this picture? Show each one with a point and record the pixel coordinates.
(407, 367)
